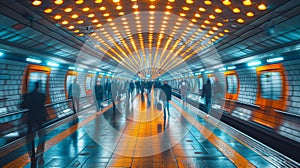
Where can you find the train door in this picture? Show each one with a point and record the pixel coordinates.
(41, 74)
(232, 90)
(71, 75)
(272, 95)
(36, 73)
(200, 80)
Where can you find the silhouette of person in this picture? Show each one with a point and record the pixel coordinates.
(99, 94)
(165, 96)
(183, 92)
(207, 93)
(74, 94)
(36, 116)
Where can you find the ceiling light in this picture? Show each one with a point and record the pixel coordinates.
(185, 8)
(194, 20)
(262, 7)
(80, 21)
(236, 10)
(121, 13)
(68, 10)
(226, 2)
(116, 1)
(95, 21)
(169, 7)
(64, 22)
(212, 17)
(218, 10)
(119, 7)
(57, 17)
(189, 1)
(99, 25)
(226, 31)
(152, 6)
(135, 6)
(85, 9)
(247, 2)
(167, 13)
(74, 16)
(102, 8)
(58, 2)
(277, 59)
(207, 2)
(109, 19)
(71, 27)
(254, 63)
(91, 15)
(207, 22)
(221, 34)
(79, 2)
(240, 20)
(215, 28)
(36, 2)
(76, 31)
(52, 64)
(48, 10)
(106, 14)
(98, 1)
(250, 14)
(203, 26)
(182, 14)
(31, 60)
(211, 32)
(202, 9)
(220, 24)
(171, 0)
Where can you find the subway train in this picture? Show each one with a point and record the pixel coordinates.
(248, 51)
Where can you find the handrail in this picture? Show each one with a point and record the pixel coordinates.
(240, 102)
(26, 110)
(286, 113)
(52, 104)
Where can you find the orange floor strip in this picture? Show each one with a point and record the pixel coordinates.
(25, 159)
(236, 158)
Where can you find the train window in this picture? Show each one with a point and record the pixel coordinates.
(200, 83)
(271, 85)
(40, 77)
(88, 82)
(232, 84)
(69, 81)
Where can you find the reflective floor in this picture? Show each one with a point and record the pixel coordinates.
(136, 134)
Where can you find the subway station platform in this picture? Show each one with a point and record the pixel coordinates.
(136, 134)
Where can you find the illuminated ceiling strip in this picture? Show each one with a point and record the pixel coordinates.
(170, 39)
(130, 53)
(113, 57)
(156, 52)
(110, 49)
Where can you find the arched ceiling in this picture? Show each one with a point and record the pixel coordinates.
(156, 36)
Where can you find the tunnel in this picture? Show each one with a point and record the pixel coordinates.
(149, 83)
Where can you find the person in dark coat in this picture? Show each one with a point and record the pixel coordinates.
(74, 94)
(99, 94)
(36, 116)
(165, 96)
(207, 93)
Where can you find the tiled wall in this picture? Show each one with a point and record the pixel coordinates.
(293, 77)
(57, 92)
(248, 85)
(11, 75)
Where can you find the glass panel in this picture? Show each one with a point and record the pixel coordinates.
(201, 83)
(88, 83)
(271, 85)
(212, 79)
(40, 77)
(232, 84)
(70, 79)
